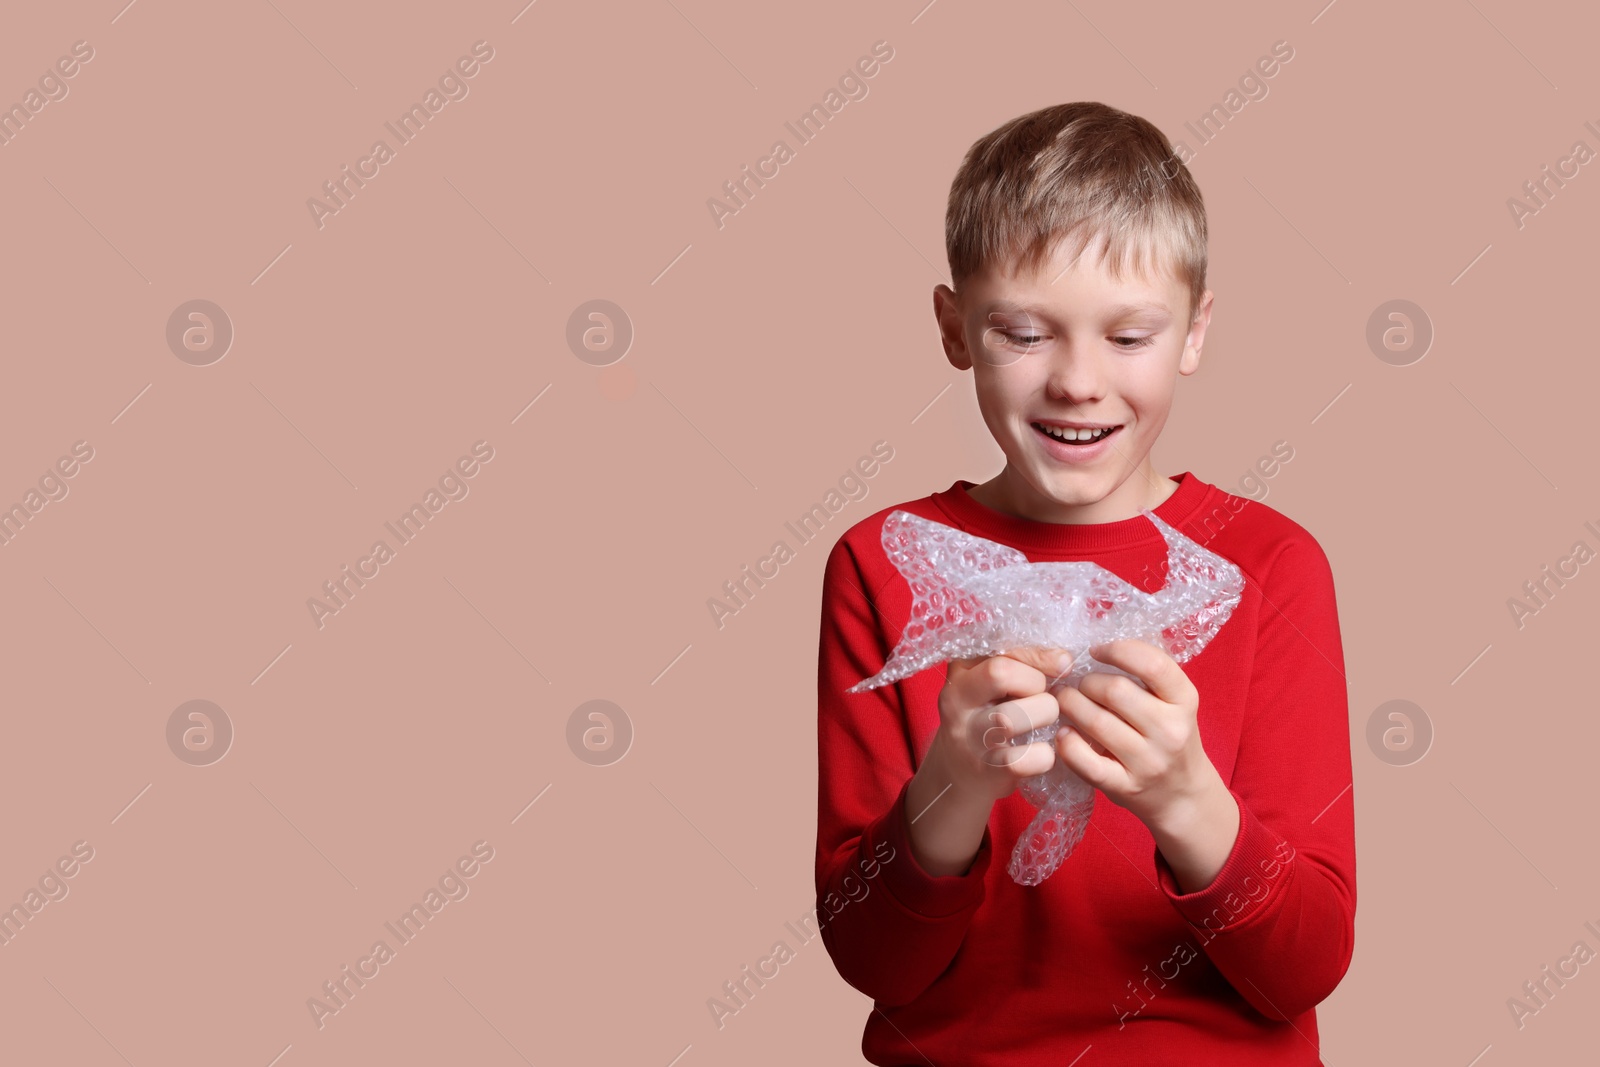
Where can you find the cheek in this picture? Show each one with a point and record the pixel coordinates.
(1148, 389)
(1003, 391)
(998, 411)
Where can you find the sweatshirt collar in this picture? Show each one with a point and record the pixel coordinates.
(1033, 535)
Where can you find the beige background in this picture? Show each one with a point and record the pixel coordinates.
(429, 313)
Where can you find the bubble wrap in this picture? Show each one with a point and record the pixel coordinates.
(975, 597)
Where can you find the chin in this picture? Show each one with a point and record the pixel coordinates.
(1071, 488)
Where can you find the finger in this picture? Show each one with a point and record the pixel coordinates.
(1008, 727)
(1118, 739)
(1023, 761)
(1001, 677)
(1067, 727)
(1102, 772)
(1125, 698)
(1153, 666)
(1013, 718)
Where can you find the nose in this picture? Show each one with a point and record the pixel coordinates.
(1077, 374)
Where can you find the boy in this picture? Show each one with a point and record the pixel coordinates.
(1211, 903)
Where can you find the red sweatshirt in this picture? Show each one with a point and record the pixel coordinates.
(1107, 955)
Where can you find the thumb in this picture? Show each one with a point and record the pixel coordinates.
(966, 663)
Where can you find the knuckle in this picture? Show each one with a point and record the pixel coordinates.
(1013, 714)
(1119, 687)
(1007, 757)
(994, 673)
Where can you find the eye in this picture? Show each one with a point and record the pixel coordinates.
(1136, 342)
(1025, 340)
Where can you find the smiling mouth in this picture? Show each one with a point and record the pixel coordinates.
(1074, 437)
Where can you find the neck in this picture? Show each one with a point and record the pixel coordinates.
(1012, 494)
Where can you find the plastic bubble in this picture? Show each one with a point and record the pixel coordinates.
(975, 597)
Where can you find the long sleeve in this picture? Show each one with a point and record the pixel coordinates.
(890, 926)
(1278, 921)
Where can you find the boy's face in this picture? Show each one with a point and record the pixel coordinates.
(1070, 345)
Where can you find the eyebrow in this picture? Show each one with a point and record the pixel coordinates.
(1122, 310)
(1118, 312)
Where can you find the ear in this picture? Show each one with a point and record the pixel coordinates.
(952, 327)
(1190, 361)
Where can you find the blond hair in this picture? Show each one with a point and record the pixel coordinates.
(1069, 173)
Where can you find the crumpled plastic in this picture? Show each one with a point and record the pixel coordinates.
(975, 597)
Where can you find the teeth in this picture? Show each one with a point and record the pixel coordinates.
(1069, 434)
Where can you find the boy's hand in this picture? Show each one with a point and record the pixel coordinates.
(986, 701)
(1140, 747)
